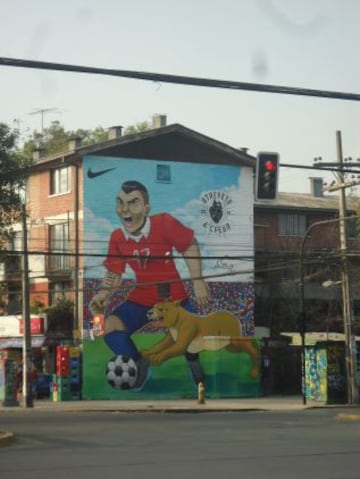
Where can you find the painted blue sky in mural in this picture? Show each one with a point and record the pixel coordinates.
(186, 191)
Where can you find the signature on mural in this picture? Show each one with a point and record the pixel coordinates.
(223, 264)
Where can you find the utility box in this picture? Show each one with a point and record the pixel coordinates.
(8, 382)
(326, 372)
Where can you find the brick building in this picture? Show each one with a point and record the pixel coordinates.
(279, 229)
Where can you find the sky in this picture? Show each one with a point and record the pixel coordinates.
(295, 43)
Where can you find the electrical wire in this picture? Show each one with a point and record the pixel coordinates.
(177, 79)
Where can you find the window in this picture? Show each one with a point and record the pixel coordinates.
(163, 173)
(292, 225)
(59, 243)
(60, 180)
(57, 291)
(13, 259)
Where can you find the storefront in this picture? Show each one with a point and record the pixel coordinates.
(12, 341)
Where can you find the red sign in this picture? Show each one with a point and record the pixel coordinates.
(13, 326)
(37, 325)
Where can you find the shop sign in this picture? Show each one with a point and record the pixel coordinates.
(18, 342)
(12, 326)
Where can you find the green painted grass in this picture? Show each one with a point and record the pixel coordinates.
(227, 374)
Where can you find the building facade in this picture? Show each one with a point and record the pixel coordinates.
(199, 191)
(307, 223)
(248, 254)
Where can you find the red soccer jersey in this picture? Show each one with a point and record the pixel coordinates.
(151, 258)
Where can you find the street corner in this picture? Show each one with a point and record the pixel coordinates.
(348, 417)
(6, 438)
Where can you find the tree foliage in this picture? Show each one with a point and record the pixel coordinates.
(61, 315)
(55, 138)
(13, 165)
(137, 128)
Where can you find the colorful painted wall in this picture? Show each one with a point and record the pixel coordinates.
(325, 368)
(196, 247)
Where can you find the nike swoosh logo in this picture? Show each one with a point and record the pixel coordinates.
(94, 174)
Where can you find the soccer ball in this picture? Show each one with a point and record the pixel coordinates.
(121, 372)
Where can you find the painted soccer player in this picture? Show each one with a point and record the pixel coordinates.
(145, 244)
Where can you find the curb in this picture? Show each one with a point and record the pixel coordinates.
(347, 417)
(6, 438)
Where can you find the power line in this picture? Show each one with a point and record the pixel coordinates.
(326, 168)
(178, 79)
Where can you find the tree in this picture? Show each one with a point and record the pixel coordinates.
(55, 138)
(13, 167)
(137, 128)
(90, 137)
(60, 316)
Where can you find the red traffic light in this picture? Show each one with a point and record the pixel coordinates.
(267, 169)
(270, 165)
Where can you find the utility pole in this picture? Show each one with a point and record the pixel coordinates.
(27, 351)
(350, 343)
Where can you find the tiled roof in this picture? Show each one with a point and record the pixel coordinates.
(237, 154)
(307, 201)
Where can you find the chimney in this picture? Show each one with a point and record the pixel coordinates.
(74, 143)
(38, 154)
(317, 187)
(115, 132)
(158, 121)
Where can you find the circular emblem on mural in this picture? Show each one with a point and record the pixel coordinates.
(216, 212)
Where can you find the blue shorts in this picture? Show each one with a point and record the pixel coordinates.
(134, 315)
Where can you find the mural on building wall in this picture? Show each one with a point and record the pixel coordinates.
(168, 282)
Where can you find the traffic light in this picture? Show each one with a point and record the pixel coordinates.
(267, 170)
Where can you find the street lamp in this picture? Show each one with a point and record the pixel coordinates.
(329, 283)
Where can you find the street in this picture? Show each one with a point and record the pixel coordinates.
(312, 443)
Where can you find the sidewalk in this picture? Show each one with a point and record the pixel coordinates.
(273, 403)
